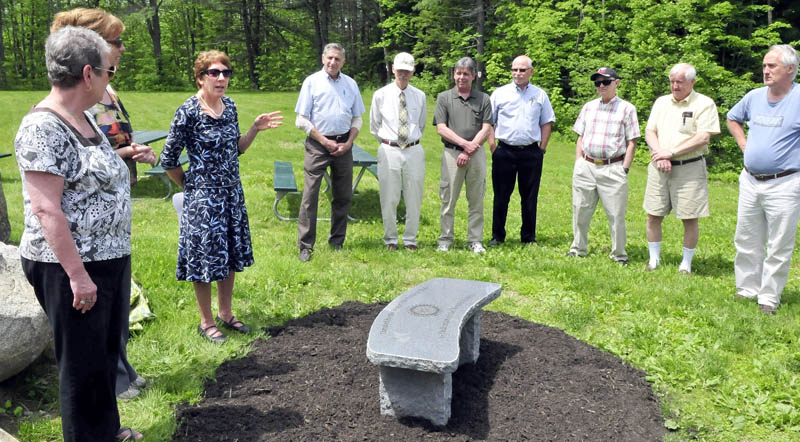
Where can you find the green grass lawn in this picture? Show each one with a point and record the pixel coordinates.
(723, 370)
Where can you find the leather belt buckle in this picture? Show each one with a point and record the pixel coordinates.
(598, 162)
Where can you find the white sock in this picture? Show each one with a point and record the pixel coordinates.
(688, 255)
(655, 253)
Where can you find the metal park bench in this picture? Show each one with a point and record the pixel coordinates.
(421, 338)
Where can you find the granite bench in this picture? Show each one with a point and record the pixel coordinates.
(421, 338)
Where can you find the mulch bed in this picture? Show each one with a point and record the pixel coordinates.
(312, 382)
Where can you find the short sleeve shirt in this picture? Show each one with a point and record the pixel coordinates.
(606, 128)
(464, 117)
(677, 121)
(520, 115)
(96, 197)
(773, 130)
(211, 143)
(330, 104)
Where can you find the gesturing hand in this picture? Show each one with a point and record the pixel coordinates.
(268, 121)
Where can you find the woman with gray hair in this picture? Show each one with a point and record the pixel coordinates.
(75, 248)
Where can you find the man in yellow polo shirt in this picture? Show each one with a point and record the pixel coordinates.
(678, 131)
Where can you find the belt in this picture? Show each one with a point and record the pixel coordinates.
(534, 145)
(402, 146)
(603, 162)
(770, 176)
(339, 138)
(682, 162)
(453, 146)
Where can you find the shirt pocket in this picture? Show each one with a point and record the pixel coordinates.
(687, 123)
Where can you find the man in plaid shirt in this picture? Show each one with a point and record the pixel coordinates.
(607, 129)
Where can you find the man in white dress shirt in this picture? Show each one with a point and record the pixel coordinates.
(397, 119)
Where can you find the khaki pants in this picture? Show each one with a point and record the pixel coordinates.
(609, 184)
(401, 171)
(474, 174)
(318, 159)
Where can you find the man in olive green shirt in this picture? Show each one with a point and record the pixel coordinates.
(463, 119)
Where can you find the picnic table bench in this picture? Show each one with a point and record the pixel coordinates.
(284, 184)
(284, 181)
(421, 338)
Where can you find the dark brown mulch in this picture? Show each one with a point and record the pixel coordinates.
(313, 382)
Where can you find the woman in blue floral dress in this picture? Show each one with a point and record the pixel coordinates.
(214, 240)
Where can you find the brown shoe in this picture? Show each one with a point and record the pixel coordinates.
(391, 247)
(411, 247)
(766, 309)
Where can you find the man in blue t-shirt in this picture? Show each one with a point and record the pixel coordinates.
(769, 185)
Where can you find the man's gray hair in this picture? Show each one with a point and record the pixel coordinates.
(467, 63)
(334, 47)
(788, 57)
(688, 71)
(71, 48)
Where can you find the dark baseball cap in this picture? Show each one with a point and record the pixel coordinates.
(605, 72)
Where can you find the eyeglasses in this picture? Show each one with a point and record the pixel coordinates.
(111, 71)
(519, 69)
(603, 82)
(214, 73)
(115, 42)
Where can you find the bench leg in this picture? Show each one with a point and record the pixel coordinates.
(278, 197)
(407, 392)
(470, 340)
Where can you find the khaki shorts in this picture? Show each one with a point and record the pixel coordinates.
(684, 189)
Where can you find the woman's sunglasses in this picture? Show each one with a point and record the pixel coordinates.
(214, 73)
(116, 42)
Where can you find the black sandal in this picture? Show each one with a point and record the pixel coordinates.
(213, 337)
(133, 435)
(233, 323)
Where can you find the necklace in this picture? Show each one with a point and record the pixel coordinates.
(213, 112)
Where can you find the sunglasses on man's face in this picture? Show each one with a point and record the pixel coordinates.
(603, 82)
(116, 42)
(214, 73)
(519, 69)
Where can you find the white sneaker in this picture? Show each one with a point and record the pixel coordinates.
(476, 247)
(443, 248)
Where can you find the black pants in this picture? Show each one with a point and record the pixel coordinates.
(508, 165)
(87, 345)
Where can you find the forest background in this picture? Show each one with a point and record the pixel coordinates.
(274, 44)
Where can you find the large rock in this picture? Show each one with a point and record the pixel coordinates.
(5, 226)
(24, 329)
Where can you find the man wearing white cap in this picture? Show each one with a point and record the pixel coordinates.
(397, 119)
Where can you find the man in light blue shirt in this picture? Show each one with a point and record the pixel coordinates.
(769, 185)
(523, 118)
(329, 111)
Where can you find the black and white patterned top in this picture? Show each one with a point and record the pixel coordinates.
(96, 196)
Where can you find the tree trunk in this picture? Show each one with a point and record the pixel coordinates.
(251, 36)
(3, 77)
(481, 28)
